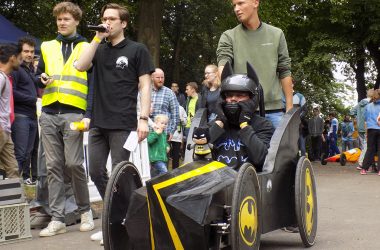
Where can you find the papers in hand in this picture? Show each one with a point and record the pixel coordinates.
(131, 142)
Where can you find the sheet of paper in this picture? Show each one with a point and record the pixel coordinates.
(131, 142)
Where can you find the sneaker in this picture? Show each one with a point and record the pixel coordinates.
(359, 168)
(97, 236)
(54, 228)
(378, 173)
(291, 229)
(101, 242)
(86, 222)
(29, 182)
(363, 172)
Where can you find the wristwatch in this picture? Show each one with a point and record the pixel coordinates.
(143, 117)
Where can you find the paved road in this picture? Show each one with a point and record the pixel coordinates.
(348, 207)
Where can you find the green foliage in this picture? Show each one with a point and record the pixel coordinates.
(318, 33)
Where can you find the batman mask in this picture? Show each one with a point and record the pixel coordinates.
(232, 112)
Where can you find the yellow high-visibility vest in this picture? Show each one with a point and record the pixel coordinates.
(69, 85)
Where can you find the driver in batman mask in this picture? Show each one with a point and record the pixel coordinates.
(239, 134)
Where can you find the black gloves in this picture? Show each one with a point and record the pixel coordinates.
(247, 110)
(220, 116)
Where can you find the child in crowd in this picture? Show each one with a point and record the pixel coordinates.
(158, 146)
(373, 130)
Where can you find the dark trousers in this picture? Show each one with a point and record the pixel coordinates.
(34, 156)
(24, 131)
(100, 143)
(176, 148)
(373, 147)
(316, 144)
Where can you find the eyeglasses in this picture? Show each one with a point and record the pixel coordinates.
(208, 73)
(111, 19)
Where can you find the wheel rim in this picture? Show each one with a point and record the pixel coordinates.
(309, 202)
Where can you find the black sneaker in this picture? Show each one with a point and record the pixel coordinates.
(291, 229)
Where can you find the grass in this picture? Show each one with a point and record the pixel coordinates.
(30, 192)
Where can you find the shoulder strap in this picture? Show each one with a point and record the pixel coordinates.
(5, 78)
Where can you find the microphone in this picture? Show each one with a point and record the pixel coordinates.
(97, 28)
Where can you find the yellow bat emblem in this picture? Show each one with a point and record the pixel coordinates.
(248, 220)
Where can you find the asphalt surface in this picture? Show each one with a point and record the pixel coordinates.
(348, 217)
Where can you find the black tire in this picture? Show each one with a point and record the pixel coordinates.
(246, 203)
(306, 202)
(323, 159)
(124, 180)
(343, 159)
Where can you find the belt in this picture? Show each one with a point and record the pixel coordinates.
(274, 111)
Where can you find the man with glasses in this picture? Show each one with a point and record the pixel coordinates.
(121, 68)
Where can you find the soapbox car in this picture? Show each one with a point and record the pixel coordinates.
(208, 205)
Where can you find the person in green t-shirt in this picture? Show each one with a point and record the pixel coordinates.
(158, 146)
(191, 105)
(264, 47)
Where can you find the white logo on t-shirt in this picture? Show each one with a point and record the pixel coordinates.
(122, 62)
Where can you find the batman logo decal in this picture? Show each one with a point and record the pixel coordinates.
(248, 220)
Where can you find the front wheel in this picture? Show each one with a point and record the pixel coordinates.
(124, 180)
(342, 159)
(246, 210)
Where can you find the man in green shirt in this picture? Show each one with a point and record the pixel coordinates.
(264, 47)
(191, 105)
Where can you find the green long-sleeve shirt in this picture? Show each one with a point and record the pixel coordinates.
(157, 144)
(266, 50)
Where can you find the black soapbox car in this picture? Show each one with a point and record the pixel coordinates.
(208, 205)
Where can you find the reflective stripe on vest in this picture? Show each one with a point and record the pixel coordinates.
(69, 85)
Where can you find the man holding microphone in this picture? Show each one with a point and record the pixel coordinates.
(122, 69)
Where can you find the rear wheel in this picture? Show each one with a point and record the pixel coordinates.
(124, 180)
(323, 159)
(306, 202)
(246, 210)
(342, 159)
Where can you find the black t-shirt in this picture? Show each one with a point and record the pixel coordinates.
(117, 70)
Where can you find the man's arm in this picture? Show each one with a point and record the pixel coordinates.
(287, 88)
(19, 96)
(257, 139)
(85, 60)
(174, 114)
(145, 92)
(224, 52)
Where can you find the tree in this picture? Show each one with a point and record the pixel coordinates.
(149, 26)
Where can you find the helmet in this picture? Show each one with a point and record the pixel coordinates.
(239, 82)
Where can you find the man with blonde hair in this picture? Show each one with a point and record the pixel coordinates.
(64, 101)
(264, 47)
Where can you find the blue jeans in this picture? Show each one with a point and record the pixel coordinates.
(347, 145)
(333, 148)
(24, 130)
(158, 168)
(301, 145)
(275, 118)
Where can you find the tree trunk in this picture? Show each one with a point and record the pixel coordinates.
(374, 52)
(149, 26)
(359, 70)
